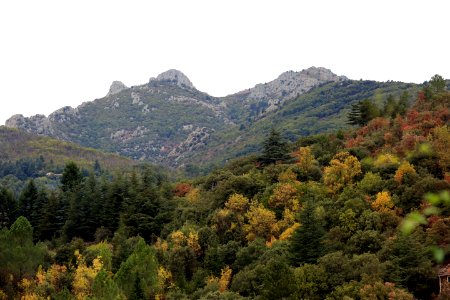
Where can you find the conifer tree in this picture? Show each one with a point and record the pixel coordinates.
(8, 208)
(274, 149)
(306, 245)
(27, 200)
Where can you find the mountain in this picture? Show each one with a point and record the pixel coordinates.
(169, 121)
(16, 145)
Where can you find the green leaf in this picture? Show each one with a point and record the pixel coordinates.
(432, 210)
(433, 198)
(445, 197)
(438, 254)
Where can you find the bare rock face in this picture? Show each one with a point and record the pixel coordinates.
(116, 87)
(37, 124)
(63, 115)
(174, 76)
(291, 84)
(197, 139)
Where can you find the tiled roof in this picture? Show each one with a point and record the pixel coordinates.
(445, 271)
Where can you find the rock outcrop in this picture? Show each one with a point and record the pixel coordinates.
(176, 77)
(116, 87)
(289, 85)
(37, 124)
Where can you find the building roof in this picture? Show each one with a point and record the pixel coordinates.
(445, 271)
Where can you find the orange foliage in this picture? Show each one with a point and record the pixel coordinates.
(181, 189)
(383, 202)
(225, 279)
(403, 169)
(285, 195)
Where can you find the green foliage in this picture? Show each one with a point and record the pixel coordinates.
(8, 208)
(307, 240)
(323, 227)
(274, 149)
(438, 84)
(26, 155)
(139, 271)
(19, 256)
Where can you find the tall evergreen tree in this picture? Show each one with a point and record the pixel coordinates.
(27, 200)
(51, 220)
(306, 244)
(274, 149)
(362, 112)
(8, 208)
(71, 177)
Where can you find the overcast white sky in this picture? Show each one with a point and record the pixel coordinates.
(58, 53)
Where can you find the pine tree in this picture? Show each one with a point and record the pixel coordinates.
(71, 177)
(274, 149)
(51, 220)
(362, 112)
(306, 245)
(8, 208)
(27, 200)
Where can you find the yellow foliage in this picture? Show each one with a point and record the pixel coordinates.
(193, 195)
(237, 203)
(306, 159)
(84, 277)
(285, 195)
(192, 241)
(165, 279)
(441, 144)
(161, 245)
(383, 202)
(385, 160)
(271, 241)
(288, 232)
(261, 222)
(403, 169)
(31, 296)
(178, 238)
(225, 279)
(27, 286)
(56, 274)
(40, 276)
(3, 295)
(287, 221)
(341, 171)
(287, 176)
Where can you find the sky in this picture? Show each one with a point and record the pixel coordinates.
(59, 53)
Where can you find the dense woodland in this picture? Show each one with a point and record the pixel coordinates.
(357, 214)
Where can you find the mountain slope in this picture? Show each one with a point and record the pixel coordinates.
(17, 145)
(322, 109)
(169, 121)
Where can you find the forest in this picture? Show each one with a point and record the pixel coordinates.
(356, 214)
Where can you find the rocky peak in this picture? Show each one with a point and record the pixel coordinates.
(116, 87)
(174, 76)
(16, 121)
(289, 85)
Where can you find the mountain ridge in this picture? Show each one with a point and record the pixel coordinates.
(169, 121)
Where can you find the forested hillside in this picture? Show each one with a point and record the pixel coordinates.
(356, 214)
(169, 122)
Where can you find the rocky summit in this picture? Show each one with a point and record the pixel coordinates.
(168, 121)
(116, 87)
(174, 76)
